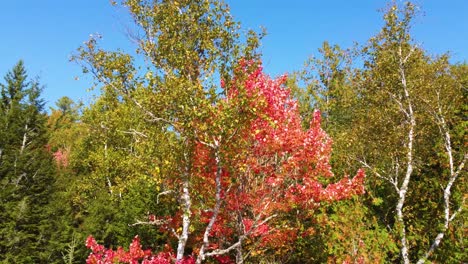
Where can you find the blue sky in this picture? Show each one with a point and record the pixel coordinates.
(45, 33)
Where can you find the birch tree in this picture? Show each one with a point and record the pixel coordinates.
(404, 89)
(389, 111)
(186, 44)
(238, 140)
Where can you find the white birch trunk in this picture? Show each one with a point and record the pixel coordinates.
(187, 203)
(186, 215)
(206, 238)
(448, 217)
(403, 189)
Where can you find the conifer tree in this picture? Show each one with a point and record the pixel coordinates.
(26, 170)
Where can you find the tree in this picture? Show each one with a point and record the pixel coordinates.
(65, 133)
(272, 165)
(64, 129)
(26, 171)
(211, 143)
(186, 43)
(401, 125)
(329, 82)
(256, 165)
(413, 90)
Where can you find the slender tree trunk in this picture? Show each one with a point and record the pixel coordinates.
(241, 231)
(186, 203)
(206, 235)
(186, 208)
(409, 164)
(239, 255)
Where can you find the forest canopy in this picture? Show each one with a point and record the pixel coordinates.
(192, 153)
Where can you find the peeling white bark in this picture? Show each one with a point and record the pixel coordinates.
(403, 189)
(186, 203)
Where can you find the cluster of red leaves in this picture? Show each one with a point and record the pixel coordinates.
(134, 255)
(261, 230)
(288, 155)
(61, 158)
(284, 154)
(273, 164)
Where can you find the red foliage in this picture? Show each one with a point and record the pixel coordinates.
(270, 165)
(135, 254)
(61, 158)
(261, 230)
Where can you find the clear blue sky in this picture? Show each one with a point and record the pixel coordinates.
(45, 33)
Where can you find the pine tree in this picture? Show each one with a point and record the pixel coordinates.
(26, 170)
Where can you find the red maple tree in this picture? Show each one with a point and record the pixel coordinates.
(254, 165)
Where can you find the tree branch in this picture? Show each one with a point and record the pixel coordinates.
(374, 170)
(241, 238)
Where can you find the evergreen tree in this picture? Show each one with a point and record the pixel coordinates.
(26, 171)
(65, 131)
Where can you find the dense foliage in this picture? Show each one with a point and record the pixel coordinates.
(192, 154)
(26, 171)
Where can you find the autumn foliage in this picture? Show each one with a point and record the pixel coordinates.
(248, 173)
(135, 254)
(187, 152)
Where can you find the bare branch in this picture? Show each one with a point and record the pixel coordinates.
(232, 135)
(154, 118)
(458, 210)
(156, 222)
(400, 105)
(374, 170)
(134, 132)
(162, 193)
(241, 238)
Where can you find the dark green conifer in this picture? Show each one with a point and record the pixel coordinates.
(26, 171)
